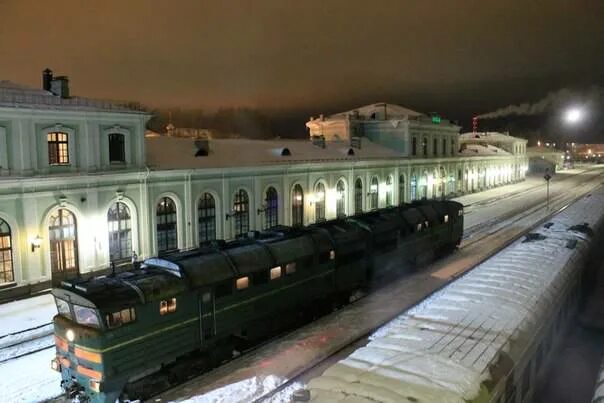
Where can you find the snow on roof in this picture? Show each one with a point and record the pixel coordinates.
(365, 112)
(179, 153)
(482, 149)
(15, 95)
(444, 348)
(488, 136)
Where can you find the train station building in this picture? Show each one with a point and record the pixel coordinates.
(82, 186)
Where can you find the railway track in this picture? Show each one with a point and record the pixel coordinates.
(25, 342)
(558, 203)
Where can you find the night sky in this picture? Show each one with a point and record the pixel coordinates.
(299, 58)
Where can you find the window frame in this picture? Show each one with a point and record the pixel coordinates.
(297, 205)
(206, 218)
(241, 213)
(57, 143)
(164, 227)
(7, 266)
(117, 144)
(271, 210)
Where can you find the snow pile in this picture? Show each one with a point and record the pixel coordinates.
(27, 313)
(243, 391)
(443, 349)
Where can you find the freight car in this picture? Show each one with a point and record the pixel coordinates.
(117, 335)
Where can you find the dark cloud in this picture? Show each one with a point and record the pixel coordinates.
(455, 57)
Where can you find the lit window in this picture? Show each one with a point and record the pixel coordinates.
(290, 268)
(427, 224)
(116, 319)
(332, 254)
(243, 283)
(58, 151)
(419, 227)
(167, 306)
(275, 272)
(460, 213)
(446, 218)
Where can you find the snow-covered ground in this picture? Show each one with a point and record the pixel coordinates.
(27, 313)
(29, 378)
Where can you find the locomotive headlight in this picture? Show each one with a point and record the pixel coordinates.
(70, 335)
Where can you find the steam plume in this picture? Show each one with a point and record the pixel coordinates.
(557, 99)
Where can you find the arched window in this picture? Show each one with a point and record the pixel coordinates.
(297, 206)
(358, 196)
(63, 238)
(414, 146)
(271, 210)
(206, 218)
(58, 148)
(7, 273)
(389, 191)
(340, 199)
(120, 232)
(319, 202)
(413, 188)
(241, 219)
(444, 150)
(373, 194)
(425, 146)
(117, 151)
(166, 225)
(401, 189)
(435, 147)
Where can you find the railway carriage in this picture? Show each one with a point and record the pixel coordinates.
(117, 335)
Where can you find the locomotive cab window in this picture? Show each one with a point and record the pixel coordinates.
(117, 319)
(275, 273)
(86, 316)
(167, 306)
(63, 308)
(242, 283)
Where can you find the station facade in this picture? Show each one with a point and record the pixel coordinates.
(82, 187)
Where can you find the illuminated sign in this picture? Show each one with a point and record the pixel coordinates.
(436, 119)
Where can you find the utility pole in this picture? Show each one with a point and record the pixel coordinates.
(547, 178)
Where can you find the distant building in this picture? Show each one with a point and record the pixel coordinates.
(588, 152)
(82, 184)
(543, 159)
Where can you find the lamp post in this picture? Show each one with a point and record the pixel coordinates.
(547, 178)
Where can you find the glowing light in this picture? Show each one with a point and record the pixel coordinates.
(573, 115)
(70, 335)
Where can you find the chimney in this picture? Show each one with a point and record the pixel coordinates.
(46, 79)
(59, 86)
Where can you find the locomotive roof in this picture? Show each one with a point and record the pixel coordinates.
(124, 289)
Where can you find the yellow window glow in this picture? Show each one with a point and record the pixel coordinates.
(275, 272)
(243, 283)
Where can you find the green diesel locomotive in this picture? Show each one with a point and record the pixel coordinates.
(118, 334)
